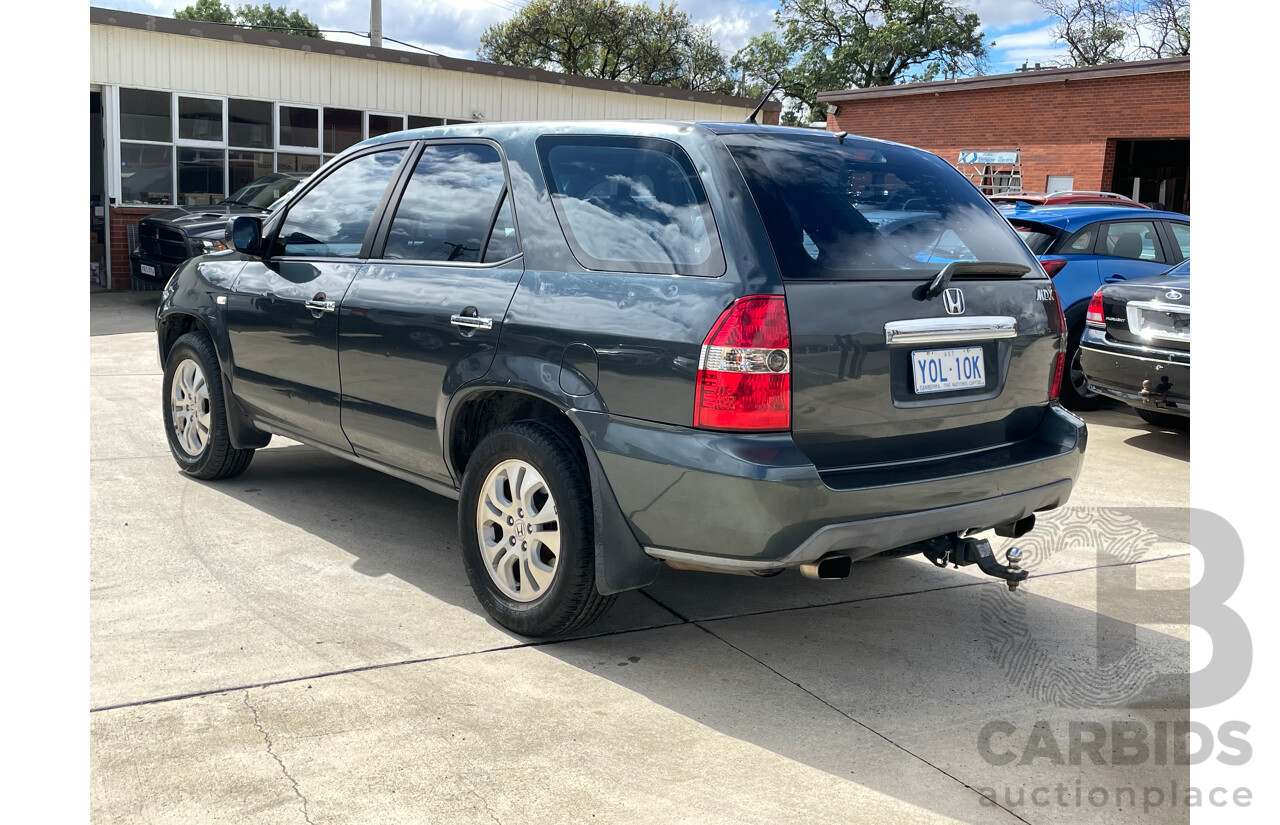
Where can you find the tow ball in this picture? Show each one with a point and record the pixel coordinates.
(963, 551)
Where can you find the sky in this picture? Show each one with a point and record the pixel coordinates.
(453, 27)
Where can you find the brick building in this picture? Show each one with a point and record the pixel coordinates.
(1122, 128)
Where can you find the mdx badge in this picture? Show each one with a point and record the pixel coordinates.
(953, 301)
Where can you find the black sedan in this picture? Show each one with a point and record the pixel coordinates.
(1137, 345)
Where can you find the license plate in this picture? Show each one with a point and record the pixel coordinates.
(147, 269)
(946, 370)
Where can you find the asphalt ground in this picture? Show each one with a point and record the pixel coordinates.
(300, 644)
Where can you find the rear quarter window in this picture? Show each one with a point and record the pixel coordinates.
(631, 205)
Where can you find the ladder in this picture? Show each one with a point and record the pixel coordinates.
(993, 172)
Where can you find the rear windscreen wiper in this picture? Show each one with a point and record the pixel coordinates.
(993, 269)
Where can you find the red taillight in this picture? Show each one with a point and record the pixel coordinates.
(1055, 386)
(1058, 324)
(744, 373)
(1093, 316)
(1052, 266)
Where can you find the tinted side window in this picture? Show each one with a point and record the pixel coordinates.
(449, 204)
(1038, 237)
(1082, 241)
(631, 205)
(1133, 239)
(1181, 233)
(502, 240)
(331, 220)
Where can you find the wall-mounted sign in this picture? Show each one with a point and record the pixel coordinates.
(988, 157)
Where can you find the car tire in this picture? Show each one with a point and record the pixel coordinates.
(195, 412)
(1159, 419)
(524, 480)
(1075, 394)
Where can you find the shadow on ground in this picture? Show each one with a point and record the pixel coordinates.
(924, 670)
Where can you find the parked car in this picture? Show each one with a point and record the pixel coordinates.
(1137, 345)
(624, 344)
(1065, 198)
(1083, 247)
(168, 238)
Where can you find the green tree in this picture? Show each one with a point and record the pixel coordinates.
(610, 39)
(840, 44)
(265, 15)
(207, 11)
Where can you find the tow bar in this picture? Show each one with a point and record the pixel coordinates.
(952, 549)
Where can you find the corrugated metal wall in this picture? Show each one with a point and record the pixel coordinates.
(143, 59)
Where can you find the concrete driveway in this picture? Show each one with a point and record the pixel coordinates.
(301, 644)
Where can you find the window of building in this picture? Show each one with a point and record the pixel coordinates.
(342, 129)
(299, 127)
(1059, 183)
(200, 119)
(331, 220)
(146, 115)
(146, 174)
(201, 178)
(385, 124)
(245, 167)
(251, 124)
(420, 122)
(290, 162)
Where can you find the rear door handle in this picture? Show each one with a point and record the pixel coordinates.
(319, 304)
(1111, 279)
(471, 322)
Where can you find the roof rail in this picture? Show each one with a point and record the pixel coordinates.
(1088, 192)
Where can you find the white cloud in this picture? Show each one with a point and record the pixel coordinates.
(453, 27)
(997, 15)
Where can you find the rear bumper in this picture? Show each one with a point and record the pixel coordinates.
(755, 502)
(1119, 373)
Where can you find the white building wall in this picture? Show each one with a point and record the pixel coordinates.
(153, 60)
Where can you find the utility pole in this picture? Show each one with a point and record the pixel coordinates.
(375, 23)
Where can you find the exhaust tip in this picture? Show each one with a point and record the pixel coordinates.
(830, 566)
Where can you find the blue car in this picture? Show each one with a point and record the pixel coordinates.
(1085, 247)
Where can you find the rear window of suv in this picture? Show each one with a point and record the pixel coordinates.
(631, 205)
(858, 209)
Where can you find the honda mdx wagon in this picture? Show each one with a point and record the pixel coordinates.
(623, 345)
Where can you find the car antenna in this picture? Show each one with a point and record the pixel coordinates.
(772, 89)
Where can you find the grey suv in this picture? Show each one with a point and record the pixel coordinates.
(621, 345)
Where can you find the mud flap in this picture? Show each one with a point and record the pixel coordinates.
(621, 563)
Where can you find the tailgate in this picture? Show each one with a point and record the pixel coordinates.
(879, 375)
(921, 325)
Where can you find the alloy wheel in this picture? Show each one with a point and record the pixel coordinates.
(519, 530)
(190, 407)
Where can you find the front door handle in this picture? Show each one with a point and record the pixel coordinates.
(1116, 277)
(471, 322)
(319, 304)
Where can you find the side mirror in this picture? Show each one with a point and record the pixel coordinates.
(244, 234)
